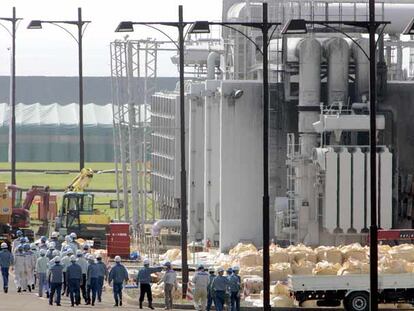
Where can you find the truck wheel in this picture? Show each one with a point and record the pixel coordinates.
(357, 301)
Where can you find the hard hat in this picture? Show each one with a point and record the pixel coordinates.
(55, 252)
(43, 239)
(33, 246)
(167, 264)
(20, 248)
(26, 246)
(22, 239)
(229, 270)
(91, 257)
(220, 269)
(52, 245)
(56, 259)
(26, 239)
(3, 245)
(200, 267)
(236, 268)
(68, 239)
(79, 253)
(117, 259)
(85, 246)
(99, 256)
(72, 258)
(69, 251)
(19, 233)
(55, 234)
(73, 235)
(146, 262)
(42, 252)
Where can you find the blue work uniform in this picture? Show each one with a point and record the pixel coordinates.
(55, 280)
(73, 278)
(118, 275)
(234, 288)
(6, 260)
(92, 279)
(220, 286)
(102, 275)
(144, 281)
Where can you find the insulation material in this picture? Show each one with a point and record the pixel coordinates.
(278, 254)
(280, 271)
(301, 252)
(303, 267)
(326, 268)
(354, 267)
(172, 254)
(282, 301)
(249, 271)
(279, 289)
(329, 253)
(354, 251)
(391, 266)
(242, 248)
(249, 259)
(252, 285)
(404, 251)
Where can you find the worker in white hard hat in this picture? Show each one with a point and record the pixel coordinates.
(73, 243)
(117, 276)
(210, 291)
(102, 275)
(143, 280)
(55, 280)
(234, 289)
(170, 282)
(220, 286)
(74, 277)
(54, 237)
(6, 260)
(200, 281)
(83, 263)
(42, 264)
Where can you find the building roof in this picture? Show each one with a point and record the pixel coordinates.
(58, 115)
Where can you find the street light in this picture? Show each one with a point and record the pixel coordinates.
(128, 26)
(37, 24)
(298, 26)
(204, 27)
(12, 103)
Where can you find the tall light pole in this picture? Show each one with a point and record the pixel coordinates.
(79, 23)
(128, 26)
(204, 27)
(12, 103)
(298, 26)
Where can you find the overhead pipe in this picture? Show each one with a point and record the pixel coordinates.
(164, 223)
(213, 60)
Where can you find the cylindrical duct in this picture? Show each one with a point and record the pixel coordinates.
(309, 54)
(212, 61)
(361, 69)
(337, 54)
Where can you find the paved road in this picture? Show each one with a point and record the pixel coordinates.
(14, 301)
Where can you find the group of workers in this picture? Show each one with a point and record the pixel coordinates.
(209, 288)
(59, 269)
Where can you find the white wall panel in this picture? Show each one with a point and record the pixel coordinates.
(358, 189)
(386, 189)
(345, 189)
(331, 191)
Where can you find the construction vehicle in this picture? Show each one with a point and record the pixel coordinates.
(78, 215)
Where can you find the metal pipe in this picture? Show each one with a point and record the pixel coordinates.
(266, 208)
(373, 229)
(361, 70)
(183, 203)
(81, 141)
(164, 223)
(211, 65)
(13, 100)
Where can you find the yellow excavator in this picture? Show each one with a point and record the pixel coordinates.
(77, 213)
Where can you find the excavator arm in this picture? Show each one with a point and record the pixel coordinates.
(41, 191)
(81, 181)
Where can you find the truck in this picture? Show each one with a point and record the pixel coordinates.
(77, 213)
(352, 290)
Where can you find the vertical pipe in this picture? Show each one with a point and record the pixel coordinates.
(13, 100)
(81, 142)
(184, 263)
(266, 238)
(373, 248)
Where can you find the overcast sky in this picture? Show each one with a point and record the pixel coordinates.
(52, 52)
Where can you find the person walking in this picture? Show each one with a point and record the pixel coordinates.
(210, 290)
(74, 278)
(170, 282)
(144, 283)
(200, 281)
(67, 254)
(41, 271)
(220, 285)
(83, 263)
(102, 275)
(29, 266)
(92, 279)
(6, 260)
(20, 277)
(118, 275)
(234, 288)
(55, 280)
(17, 241)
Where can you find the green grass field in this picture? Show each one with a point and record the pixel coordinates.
(58, 165)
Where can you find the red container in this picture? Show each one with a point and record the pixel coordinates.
(119, 240)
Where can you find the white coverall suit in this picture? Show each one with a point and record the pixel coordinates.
(20, 270)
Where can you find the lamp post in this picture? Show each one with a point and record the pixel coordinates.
(298, 26)
(12, 124)
(264, 26)
(37, 24)
(128, 26)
